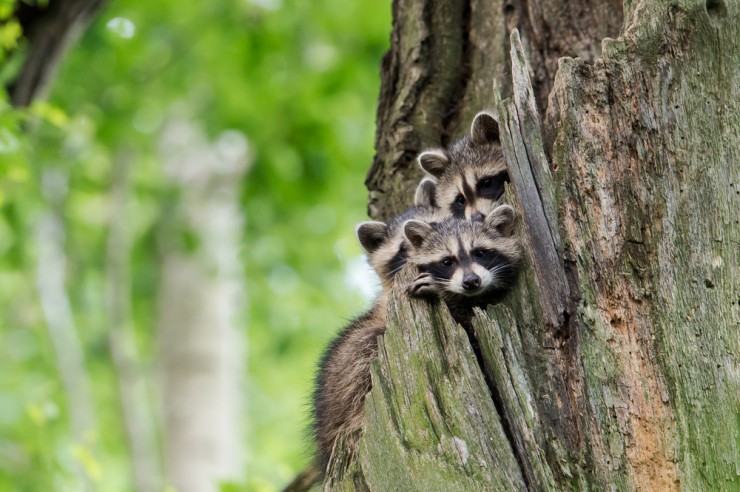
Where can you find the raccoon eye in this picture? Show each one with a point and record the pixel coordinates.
(486, 183)
(460, 200)
(479, 253)
(447, 262)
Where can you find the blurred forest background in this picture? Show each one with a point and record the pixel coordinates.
(176, 239)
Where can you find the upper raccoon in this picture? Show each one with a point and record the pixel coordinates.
(462, 260)
(471, 172)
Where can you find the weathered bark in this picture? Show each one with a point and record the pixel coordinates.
(446, 57)
(49, 29)
(613, 362)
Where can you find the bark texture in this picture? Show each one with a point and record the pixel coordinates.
(445, 60)
(613, 362)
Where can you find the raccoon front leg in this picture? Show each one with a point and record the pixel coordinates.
(423, 286)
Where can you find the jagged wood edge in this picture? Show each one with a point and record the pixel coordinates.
(521, 139)
(431, 422)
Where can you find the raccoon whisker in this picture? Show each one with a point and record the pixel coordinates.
(499, 273)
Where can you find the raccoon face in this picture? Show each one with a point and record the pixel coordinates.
(385, 244)
(471, 173)
(463, 258)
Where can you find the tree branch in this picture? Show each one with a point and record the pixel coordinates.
(49, 30)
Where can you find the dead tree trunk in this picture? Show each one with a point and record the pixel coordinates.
(613, 363)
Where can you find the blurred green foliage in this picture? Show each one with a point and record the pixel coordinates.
(300, 81)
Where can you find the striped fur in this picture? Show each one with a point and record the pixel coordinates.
(469, 174)
(343, 378)
(459, 259)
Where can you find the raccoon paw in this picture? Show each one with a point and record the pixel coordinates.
(422, 286)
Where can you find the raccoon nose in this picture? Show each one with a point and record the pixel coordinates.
(477, 217)
(471, 281)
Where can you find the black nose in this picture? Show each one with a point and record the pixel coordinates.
(471, 281)
(478, 217)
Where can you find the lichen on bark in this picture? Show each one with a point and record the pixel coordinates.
(613, 362)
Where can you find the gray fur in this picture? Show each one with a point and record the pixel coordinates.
(424, 196)
(343, 378)
(460, 170)
(457, 241)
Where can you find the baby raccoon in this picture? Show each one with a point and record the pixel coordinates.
(465, 262)
(385, 244)
(470, 174)
(343, 378)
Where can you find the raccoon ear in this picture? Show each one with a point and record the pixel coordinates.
(484, 129)
(424, 196)
(503, 219)
(434, 162)
(416, 232)
(372, 235)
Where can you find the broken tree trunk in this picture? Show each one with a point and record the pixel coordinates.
(613, 362)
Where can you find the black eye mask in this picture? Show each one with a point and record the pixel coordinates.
(492, 187)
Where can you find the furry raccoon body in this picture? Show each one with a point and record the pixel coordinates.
(343, 378)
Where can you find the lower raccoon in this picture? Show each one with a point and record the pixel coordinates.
(344, 372)
(465, 263)
(343, 377)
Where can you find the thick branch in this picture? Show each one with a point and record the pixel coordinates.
(49, 31)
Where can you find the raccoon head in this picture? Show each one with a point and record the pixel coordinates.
(461, 258)
(470, 174)
(385, 244)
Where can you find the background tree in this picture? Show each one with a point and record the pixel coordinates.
(613, 363)
(298, 82)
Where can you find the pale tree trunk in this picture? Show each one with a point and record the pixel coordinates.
(51, 283)
(201, 350)
(133, 388)
(613, 364)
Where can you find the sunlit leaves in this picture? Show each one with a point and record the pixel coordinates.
(290, 84)
(122, 27)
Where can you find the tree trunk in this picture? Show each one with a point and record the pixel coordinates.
(68, 348)
(201, 350)
(613, 362)
(134, 392)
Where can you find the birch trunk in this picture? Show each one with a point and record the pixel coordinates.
(613, 364)
(60, 323)
(200, 345)
(133, 390)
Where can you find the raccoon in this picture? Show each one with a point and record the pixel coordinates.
(343, 377)
(465, 262)
(385, 244)
(469, 174)
(344, 380)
